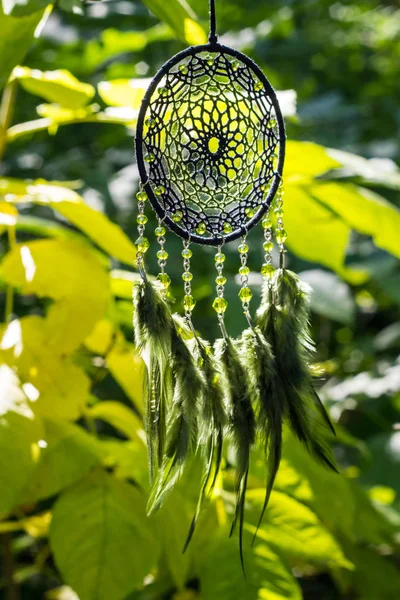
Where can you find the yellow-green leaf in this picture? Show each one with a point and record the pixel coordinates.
(127, 368)
(180, 17)
(8, 215)
(364, 211)
(67, 453)
(55, 86)
(113, 549)
(19, 452)
(67, 202)
(101, 337)
(306, 160)
(124, 92)
(119, 416)
(12, 396)
(55, 386)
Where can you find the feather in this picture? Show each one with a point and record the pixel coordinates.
(182, 424)
(269, 402)
(211, 433)
(283, 319)
(241, 423)
(152, 329)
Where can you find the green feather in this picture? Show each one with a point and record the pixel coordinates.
(269, 402)
(283, 319)
(213, 420)
(153, 329)
(241, 423)
(182, 424)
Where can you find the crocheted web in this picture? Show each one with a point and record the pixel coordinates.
(211, 142)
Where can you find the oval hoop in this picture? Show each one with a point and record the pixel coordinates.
(210, 144)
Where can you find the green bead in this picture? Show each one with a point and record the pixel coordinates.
(159, 190)
(160, 231)
(162, 254)
(220, 280)
(183, 69)
(141, 219)
(235, 65)
(219, 258)
(244, 271)
(163, 91)
(280, 235)
(177, 216)
(209, 59)
(186, 276)
(141, 196)
(187, 253)
(150, 157)
(258, 86)
(250, 212)
(243, 248)
(142, 244)
(220, 305)
(272, 123)
(266, 223)
(265, 187)
(164, 279)
(149, 122)
(201, 228)
(188, 303)
(245, 294)
(268, 246)
(227, 227)
(278, 212)
(267, 270)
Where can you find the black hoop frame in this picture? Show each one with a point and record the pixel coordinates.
(212, 46)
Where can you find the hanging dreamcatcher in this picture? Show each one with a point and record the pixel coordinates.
(210, 149)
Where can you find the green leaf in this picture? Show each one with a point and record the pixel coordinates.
(363, 211)
(58, 86)
(330, 297)
(8, 215)
(55, 386)
(17, 35)
(267, 576)
(306, 160)
(119, 416)
(292, 528)
(66, 271)
(12, 397)
(101, 337)
(181, 18)
(20, 8)
(68, 203)
(127, 368)
(122, 283)
(67, 454)
(314, 232)
(19, 452)
(374, 171)
(124, 92)
(101, 539)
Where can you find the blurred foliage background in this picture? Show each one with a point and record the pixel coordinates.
(73, 467)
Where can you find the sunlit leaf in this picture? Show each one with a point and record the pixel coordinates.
(19, 452)
(180, 17)
(267, 576)
(12, 396)
(112, 549)
(363, 211)
(8, 215)
(127, 368)
(67, 202)
(55, 386)
(101, 337)
(55, 86)
(305, 160)
(124, 92)
(67, 453)
(119, 416)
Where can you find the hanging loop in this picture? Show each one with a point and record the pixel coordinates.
(213, 37)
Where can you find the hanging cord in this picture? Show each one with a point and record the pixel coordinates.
(213, 37)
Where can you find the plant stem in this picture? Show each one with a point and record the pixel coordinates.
(12, 240)
(6, 112)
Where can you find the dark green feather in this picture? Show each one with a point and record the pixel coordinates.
(182, 424)
(269, 403)
(241, 423)
(283, 319)
(153, 328)
(212, 423)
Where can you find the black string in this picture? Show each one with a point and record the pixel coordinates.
(213, 38)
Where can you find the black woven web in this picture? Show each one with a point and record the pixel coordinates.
(210, 143)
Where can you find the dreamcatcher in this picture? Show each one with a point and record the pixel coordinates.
(210, 150)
